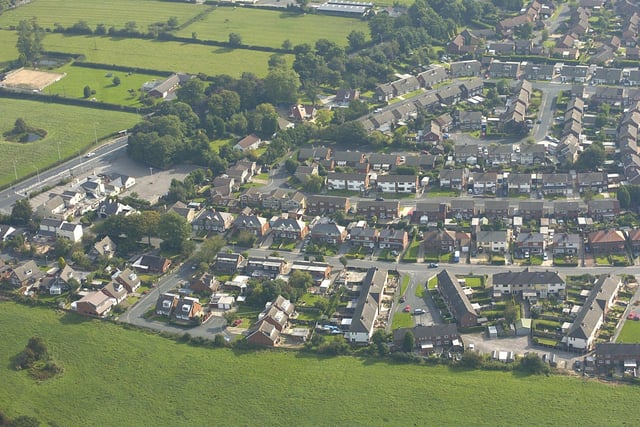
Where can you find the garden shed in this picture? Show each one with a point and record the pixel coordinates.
(493, 332)
(523, 327)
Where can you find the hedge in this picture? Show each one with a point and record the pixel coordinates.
(121, 68)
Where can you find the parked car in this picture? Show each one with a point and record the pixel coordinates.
(403, 298)
(237, 322)
(407, 309)
(419, 311)
(433, 265)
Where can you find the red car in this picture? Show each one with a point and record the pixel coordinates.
(407, 309)
(237, 322)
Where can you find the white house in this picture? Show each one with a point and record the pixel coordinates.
(70, 231)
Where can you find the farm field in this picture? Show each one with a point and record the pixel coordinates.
(275, 27)
(630, 332)
(164, 56)
(72, 126)
(8, 51)
(112, 13)
(100, 80)
(156, 381)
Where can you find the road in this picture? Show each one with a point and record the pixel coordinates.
(103, 156)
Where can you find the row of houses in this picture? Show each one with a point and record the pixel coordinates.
(569, 146)
(628, 142)
(100, 303)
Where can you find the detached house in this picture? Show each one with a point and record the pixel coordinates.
(96, 304)
(152, 264)
(104, 247)
(250, 142)
(127, 278)
(26, 275)
(212, 221)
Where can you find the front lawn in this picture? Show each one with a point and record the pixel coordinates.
(442, 193)
(402, 320)
(386, 255)
(432, 283)
(602, 260)
(630, 332)
(420, 289)
(405, 284)
(411, 254)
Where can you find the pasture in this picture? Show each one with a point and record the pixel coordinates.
(112, 13)
(8, 51)
(156, 381)
(72, 126)
(274, 28)
(162, 55)
(101, 81)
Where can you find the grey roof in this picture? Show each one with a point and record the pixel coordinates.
(617, 349)
(449, 286)
(526, 277)
(364, 316)
(593, 309)
(328, 228)
(462, 204)
(391, 233)
(422, 333)
(491, 236)
(27, 270)
(566, 239)
(104, 246)
(530, 238)
(251, 221)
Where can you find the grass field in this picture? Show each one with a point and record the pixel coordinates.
(154, 381)
(72, 126)
(164, 56)
(8, 51)
(72, 85)
(275, 27)
(112, 13)
(630, 332)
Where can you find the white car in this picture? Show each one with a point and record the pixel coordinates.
(91, 154)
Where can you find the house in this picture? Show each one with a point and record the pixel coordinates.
(456, 300)
(303, 172)
(429, 339)
(387, 209)
(352, 159)
(166, 303)
(327, 205)
(600, 209)
(606, 76)
(607, 242)
(532, 243)
(449, 95)
(127, 278)
(456, 179)
(528, 283)
(210, 220)
(25, 275)
(583, 330)
(264, 334)
(265, 267)
(470, 88)
(301, 112)
(280, 199)
(330, 233)
(532, 154)
(152, 264)
(467, 154)
(204, 283)
(393, 239)
(104, 248)
(497, 209)
(165, 87)
(439, 241)
(471, 68)
(116, 291)
(94, 187)
(94, 304)
(502, 48)
(49, 227)
(617, 356)
(52, 208)
(397, 183)
(557, 183)
(463, 209)
(484, 182)
(405, 85)
(319, 271)
(249, 142)
(468, 120)
(574, 73)
(109, 207)
(533, 71)
(531, 209)
(566, 244)
(70, 231)
(493, 241)
(289, 229)
(432, 76)
(64, 280)
(363, 236)
(187, 310)
(566, 209)
(367, 307)
(345, 96)
(228, 263)
(504, 70)
(347, 181)
(186, 212)
(222, 301)
(426, 212)
(519, 182)
(254, 224)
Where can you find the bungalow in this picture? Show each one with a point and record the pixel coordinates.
(583, 330)
(249, 142)
(289, 229)
(347, 181)
(314, 154)
(152, 264)
(330, 233)
(212, 221)
(254, 224)
(94, 304)
(393, 239)
(493, 241)
(607, 242)
(388, 209)
(228, 263)
(327, 205)
(165, 87)
(456, 300)
(525, 282)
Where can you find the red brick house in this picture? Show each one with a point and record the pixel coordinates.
(607, 242)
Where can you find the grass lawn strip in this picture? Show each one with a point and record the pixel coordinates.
(133, 369)
(630, 332)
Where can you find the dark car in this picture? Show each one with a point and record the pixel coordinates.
(379, 199)
(433, 265)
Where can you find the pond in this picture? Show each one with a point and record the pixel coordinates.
(31, 137)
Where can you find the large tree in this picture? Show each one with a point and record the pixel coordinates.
(174, 230)
(281, 85)
(21, 212)
(29, 43)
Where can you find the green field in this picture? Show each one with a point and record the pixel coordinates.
(112, 13)
(72, 85)
(128, 378)
(8, 51)
(164, 56)
(72, 126)
(630, 332)
(274, 27)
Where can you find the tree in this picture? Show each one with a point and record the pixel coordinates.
(29, 44)
(356, 39)
(524, 32)
(301, 280)
(344, 261)
(291, 165)
(235, 39)
(533, 364)
(408, 342)
(592, 158)
(86, 91)
(623, 197)
(20, 126)
(511, 312)
(21, 212)
(281, 86)
(209, 250)
(116, 81)
(314, 184)
(174, 230)
(246, 239)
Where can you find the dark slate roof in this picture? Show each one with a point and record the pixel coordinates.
(526, 277)
(449, 286)
(593, 308)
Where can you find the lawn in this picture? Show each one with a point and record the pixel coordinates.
(432, 283)
(275, 27)
(401, 320)
(630, 332)
(155, 381)
(420, 290)
(112, 13)
(8, 51)
(100, 80)
(405, 284)
(442, 193)
(72, 126)
(162, 55)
